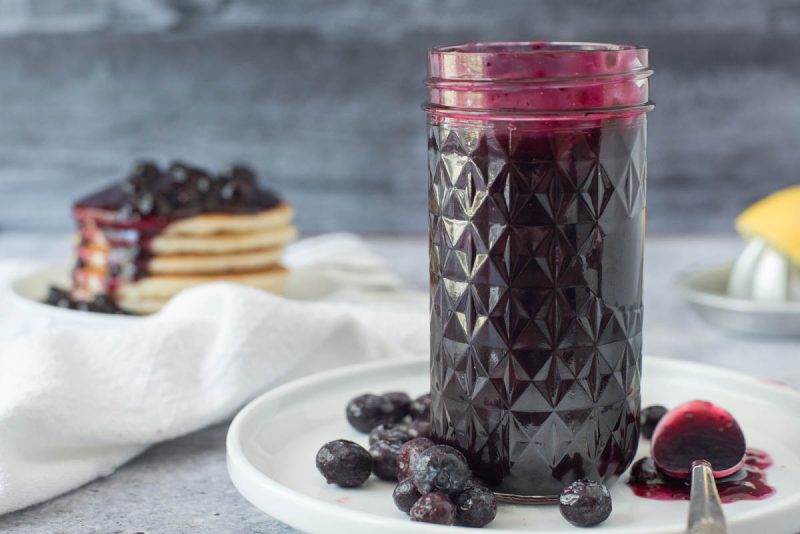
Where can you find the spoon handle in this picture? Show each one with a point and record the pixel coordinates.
(705, 509)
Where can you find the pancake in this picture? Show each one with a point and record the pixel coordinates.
(166, 286)
(250, 260)
(224, 243)
(140, 305)
(206, 224)
(150, 293)
(216, 263)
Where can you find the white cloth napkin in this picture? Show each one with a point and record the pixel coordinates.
(78, 400)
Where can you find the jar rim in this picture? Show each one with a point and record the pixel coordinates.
(534, 61)
(531, 47)
(537, 76)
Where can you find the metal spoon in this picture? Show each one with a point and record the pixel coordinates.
(701, 441)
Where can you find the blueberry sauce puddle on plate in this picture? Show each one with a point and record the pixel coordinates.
(749, 483)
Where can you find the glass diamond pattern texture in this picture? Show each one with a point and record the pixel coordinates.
(536, 241)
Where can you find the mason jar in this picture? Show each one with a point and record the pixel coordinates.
(537, 175)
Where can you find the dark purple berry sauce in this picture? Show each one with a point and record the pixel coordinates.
(749, 483)
(698, 430)
(150, 193)
(536, 299)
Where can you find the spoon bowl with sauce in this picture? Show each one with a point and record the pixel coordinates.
(700, 441)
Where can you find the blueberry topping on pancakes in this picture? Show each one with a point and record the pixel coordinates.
(162, 230)
(181, 191)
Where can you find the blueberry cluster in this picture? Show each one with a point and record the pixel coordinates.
(185, 190)
(446, 492)
(391, 419)
(434, 481)
(64, 299)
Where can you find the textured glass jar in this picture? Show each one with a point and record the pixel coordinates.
(537, 178)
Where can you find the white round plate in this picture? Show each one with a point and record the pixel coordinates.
(272, 443)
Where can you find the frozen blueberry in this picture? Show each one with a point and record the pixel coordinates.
(193, 183)
(104, 305)
(237, 185)
(645, 471)
(440, 468)
(241, 174)
(401, 402)
(396, 433)
(203, 183)
(585, 503)
(143, 179)
(179, 172)
(650, 418)
(82, 305)
(434, 508)
(474, 482)
(405, 494)
(408, 453)
(384, 459)
(148, 169)
(344, 463)
(184, 194)
(63, 299)
(367, 411)
(475, 507)
(230, 192)
(58, 297)
(420, 429)
(421, 408)
(146, 203)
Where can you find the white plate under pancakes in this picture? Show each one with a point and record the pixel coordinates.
(273, 441)
(29, 291)
(338, 265)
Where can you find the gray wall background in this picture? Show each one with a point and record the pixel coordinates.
(323, 96)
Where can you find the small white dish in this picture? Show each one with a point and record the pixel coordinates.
(272, 443)
(706, 290)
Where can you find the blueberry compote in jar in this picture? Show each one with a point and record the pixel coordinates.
(537, 207)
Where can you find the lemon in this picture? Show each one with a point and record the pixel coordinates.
(776, 220)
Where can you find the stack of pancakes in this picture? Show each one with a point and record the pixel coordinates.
(145, 240)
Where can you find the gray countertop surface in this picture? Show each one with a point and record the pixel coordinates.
(182, 485)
